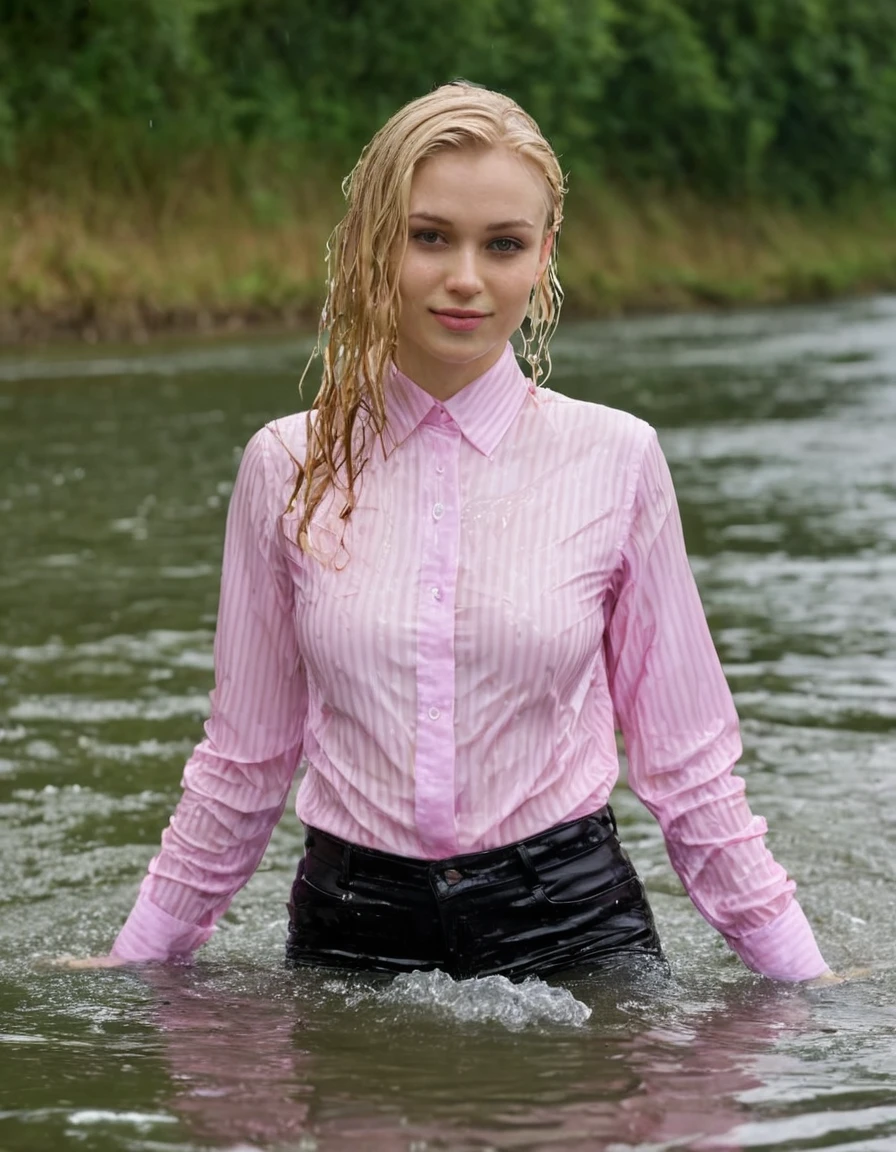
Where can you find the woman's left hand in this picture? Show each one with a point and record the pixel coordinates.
(830, 977)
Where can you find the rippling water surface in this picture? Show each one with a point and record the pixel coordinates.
(115, 469)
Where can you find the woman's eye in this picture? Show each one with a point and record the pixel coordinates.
(427, 237)
(505, 244)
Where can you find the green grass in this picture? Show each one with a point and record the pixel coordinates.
(628, 251)
(219, 245)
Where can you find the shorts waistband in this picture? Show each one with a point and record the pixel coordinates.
(512, 860)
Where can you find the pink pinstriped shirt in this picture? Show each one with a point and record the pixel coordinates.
(512, 582)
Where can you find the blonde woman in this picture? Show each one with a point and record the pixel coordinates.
(441, 588)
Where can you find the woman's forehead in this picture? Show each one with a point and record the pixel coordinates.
(472, 183)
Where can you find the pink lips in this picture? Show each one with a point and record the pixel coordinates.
(460, 319)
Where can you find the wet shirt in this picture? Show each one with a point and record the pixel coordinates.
(511, 586)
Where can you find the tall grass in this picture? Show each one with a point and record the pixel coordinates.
(176, 161)
(206, 249)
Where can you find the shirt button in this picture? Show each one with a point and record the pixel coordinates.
(440, 468)
(436, 593)
(438, 511)
(434, 713)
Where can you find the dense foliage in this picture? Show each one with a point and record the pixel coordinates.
(791, 98)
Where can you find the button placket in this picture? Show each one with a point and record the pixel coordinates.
(434, 798)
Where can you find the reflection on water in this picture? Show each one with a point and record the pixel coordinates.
(254, 1068)
(251, 1060)
(115, 470)
(640, 1084)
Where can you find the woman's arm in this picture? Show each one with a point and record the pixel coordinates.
(237, 780)
(682, 738)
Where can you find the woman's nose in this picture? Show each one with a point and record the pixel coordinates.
(464, 276)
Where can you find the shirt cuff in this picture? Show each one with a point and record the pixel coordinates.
(150, 933)
(784, 949)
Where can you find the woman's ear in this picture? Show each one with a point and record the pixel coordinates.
(546, 248)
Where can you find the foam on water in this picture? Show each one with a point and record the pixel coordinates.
(488, 999)
(107, 1116)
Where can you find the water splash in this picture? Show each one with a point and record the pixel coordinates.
(487, 999)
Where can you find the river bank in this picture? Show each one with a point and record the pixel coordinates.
(201, 256)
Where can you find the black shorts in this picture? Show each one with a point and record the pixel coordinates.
(567, 897)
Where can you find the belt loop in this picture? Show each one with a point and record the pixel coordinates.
(345, 873)
(530, 871)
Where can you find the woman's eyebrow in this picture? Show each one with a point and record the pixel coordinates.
(509, 224)
(429, 218)
(502, 226)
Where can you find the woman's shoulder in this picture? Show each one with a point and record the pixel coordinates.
(277, 446)
(269, 464)
(593, 421)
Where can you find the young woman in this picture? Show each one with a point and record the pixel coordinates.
(441, 589)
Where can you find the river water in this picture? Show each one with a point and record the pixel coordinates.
(115, 469)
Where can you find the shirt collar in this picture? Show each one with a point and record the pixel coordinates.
(483, 410)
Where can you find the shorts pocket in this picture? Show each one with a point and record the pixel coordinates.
(601, 877)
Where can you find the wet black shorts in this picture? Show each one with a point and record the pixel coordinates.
(567, 897)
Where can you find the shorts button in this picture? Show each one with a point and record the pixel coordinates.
(452, 875)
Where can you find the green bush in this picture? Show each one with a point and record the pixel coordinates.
(794, 99)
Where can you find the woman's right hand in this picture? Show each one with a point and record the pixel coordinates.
(87, 962)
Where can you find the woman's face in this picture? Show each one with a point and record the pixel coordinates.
(476, 247)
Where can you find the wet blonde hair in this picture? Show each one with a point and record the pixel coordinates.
(359, 324)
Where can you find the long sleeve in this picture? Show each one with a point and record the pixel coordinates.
(237, 780)
(682, 739)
